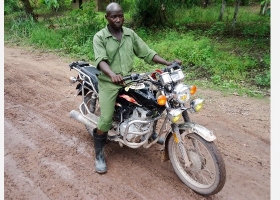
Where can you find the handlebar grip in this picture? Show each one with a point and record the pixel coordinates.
(174, 65)
(72, 65)
(126, 78)
(131, 77)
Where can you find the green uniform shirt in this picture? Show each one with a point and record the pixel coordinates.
(120, 55)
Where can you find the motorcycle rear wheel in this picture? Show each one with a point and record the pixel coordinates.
(207, 173)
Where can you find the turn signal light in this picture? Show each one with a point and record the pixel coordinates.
(193, 89)
(72, 80)
(161, 100)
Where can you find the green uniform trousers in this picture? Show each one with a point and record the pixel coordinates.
(108, 93)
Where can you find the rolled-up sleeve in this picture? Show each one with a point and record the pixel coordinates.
(99, 49)
(142, 50)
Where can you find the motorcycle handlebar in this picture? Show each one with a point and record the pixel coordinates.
(131, 77)
(174, 65)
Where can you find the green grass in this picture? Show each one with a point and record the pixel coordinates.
(211, 14)
(236, 64)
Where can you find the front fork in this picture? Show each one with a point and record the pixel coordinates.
(178, 139)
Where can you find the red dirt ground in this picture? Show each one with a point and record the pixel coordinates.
(48, 155)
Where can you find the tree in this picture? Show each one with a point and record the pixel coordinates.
(101, 4)
(29, 9)
(237, 3)
(52, 4)
(222, 10)
(264, 7)
(153, 12)
(206, 3)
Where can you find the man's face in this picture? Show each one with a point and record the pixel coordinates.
(115, 19)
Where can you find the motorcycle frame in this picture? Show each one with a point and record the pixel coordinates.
(187, 125)
(82, 80)
(178, 131)
(91, 119)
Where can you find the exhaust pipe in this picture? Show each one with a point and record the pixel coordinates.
(80, 118)
(91, 124)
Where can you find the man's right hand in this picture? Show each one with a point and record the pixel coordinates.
(106, 69)
(117, 79)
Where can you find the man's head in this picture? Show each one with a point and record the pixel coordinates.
(114, 15)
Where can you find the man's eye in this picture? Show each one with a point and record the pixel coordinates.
(115, 17)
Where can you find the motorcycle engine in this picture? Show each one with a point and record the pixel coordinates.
(136, 127)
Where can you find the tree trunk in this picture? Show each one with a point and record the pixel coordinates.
(101, 5)
(237, 2)
(162, 14)
(223, 7)
(206, 3)
(264, 9)
(80, 4)
(28, 9)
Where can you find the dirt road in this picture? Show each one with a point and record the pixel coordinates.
(48, 155)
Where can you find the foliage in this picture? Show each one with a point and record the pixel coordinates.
(205, 20)
(217, 28)
(11, 6)
(22, 27)
(148, 13)
(263, 79)
(207, 59)
(211, 55)
(52, 4)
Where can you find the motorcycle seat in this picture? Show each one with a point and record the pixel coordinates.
(92, 72)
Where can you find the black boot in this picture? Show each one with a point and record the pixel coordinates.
(99, 143)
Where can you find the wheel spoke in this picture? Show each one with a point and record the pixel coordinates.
(206, 174)
(200, 171)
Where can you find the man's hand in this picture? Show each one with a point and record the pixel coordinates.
(106, 69)
(117, 79)
(178, 61)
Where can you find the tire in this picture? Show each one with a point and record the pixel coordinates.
(207, 173)
(93, 106)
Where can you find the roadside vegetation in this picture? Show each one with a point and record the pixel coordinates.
(219, 51)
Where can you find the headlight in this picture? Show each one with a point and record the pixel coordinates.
(182, 93)
(197, 104)
(174, 115)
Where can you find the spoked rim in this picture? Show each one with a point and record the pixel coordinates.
(92, 107)
(202, 172)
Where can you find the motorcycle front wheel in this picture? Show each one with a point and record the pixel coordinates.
(206, 174)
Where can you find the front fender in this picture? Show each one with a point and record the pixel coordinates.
(198, 129)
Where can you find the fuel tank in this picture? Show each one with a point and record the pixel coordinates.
(141, 93)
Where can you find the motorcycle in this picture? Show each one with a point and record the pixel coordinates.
(152, 101)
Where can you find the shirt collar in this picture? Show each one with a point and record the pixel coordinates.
(108, 34)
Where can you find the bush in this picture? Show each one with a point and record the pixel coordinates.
(11, 6)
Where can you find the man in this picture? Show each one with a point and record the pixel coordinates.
(114, 48)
